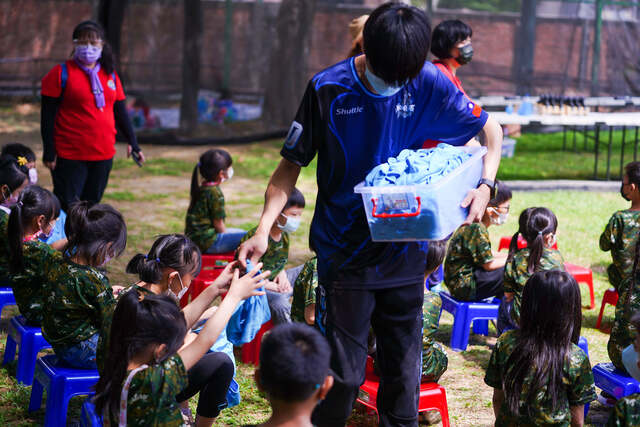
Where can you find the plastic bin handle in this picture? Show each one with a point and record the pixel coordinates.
(396, 215)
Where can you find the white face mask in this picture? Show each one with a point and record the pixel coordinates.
(291, 225)
(500, 219)
(380, 86)
(630, 362)
(183, 290)
(33, 176)
(553, 240)
(229, 175)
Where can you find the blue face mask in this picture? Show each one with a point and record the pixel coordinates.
(291, 225)
(379, 85)
(630, 362)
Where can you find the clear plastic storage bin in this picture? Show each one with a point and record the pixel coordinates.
(421, 212)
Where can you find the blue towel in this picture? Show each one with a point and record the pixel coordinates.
(248, 318)
(426, 166)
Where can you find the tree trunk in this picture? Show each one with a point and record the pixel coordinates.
(192, 46)
(525, 48)
(287, 74)
(111, 17)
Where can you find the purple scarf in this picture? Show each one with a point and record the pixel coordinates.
(96, 84)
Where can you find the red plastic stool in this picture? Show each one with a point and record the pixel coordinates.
(251, 350)
(212, 266)
(610, 297)
(582, 275)
(505, 241)
(432, 395)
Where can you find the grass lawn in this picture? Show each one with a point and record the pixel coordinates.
(154, 200)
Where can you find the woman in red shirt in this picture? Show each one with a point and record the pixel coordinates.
(451, 44)
(82, 101)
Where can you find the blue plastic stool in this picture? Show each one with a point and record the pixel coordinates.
(584, 345)
(466, 313)
(62, 383)
(30, 340)
(6, 298)
(89, 418)
(614, 381)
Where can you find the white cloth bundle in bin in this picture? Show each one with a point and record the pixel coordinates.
(422, 211)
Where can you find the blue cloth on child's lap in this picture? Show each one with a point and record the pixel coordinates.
(426, 166)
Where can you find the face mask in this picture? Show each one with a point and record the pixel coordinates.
(107, 258)
(45, 236)
(87, 54)
(379, 85)
(182, 291)
(9, 201)
(630, 362)
(622, 193)
(466, 53)
(291, 225)
(500, 219)
(33, 176)
(553, 241)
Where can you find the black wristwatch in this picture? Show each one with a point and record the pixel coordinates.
(493, 188)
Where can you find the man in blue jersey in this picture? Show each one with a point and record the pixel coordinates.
(354, 116)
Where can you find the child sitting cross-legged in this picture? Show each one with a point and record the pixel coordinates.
(278, 287)
(293, 373)
(539, 375)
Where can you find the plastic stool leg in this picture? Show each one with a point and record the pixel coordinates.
(26, 360)
(56, 412)
(9, 350)
(444, 409)
(35, 401)
(599, 322)
(589, 283)
(481, 327)
(460, 331)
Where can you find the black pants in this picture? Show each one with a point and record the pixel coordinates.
(211, 377)
(344, 317)
(489, 283)
(75, 180)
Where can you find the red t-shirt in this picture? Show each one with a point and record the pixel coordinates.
(82, 131)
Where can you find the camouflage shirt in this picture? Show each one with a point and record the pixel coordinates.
(577, 380)
(105, 332)
(469, 249)
(152, 395)
(434, 357)
(623, 332)
(277, 254)
(626, 412)
(29, 285)
(620, 237)
(516, 275)
(78, 297)
(304, 290)
(199, 224)
(4, 250)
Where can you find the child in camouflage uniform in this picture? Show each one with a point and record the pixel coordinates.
(34, 215)
(146, 364)
(472, 272)
(620, 236)
(13, 180)
(624, 331)
(278, 287)
(627, 409)
(540, 234)
(538, 373)
(303, 304)
(78, 294)
(206, 215)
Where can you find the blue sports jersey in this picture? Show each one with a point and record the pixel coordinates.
(353, 130)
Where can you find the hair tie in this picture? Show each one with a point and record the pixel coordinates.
(158, 260)
(19, 203)
(146, 257)
(539, 233)
(198, 164)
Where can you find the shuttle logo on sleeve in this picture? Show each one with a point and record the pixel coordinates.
(348, 111)
(294, 135)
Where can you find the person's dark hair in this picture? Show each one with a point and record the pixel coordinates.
(11, 175)
(16, 150)
(435, 254)
(446, 35)
(296, 199)
(632, 171)
(522, 226)
(502, 195)
(541, 222)
(92, 28)
(294, 362)
(547, 331)
(33, 202)
(139, 320)
(209, 166)
(174, 251)
(95, 232)
(396, 41)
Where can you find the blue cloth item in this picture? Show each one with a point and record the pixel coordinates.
(426, 166)
(58, 229)
(227, 241)
(81, 355)
(504, 323)
(248, 318)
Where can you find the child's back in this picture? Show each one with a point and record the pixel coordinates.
(623, 331)
(620, 237)
(208, 207)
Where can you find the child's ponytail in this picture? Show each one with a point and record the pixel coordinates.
(522, 226)
(175, 251)
(195, 186)
(139, 320)
(541, 222)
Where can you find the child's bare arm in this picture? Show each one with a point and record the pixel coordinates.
(218, 224)
(577, 416)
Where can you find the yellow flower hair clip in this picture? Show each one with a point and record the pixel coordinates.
(22, 160)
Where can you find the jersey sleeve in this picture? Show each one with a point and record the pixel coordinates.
(52, 83)
(120, 96)
(453, 118)
(301, 143)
